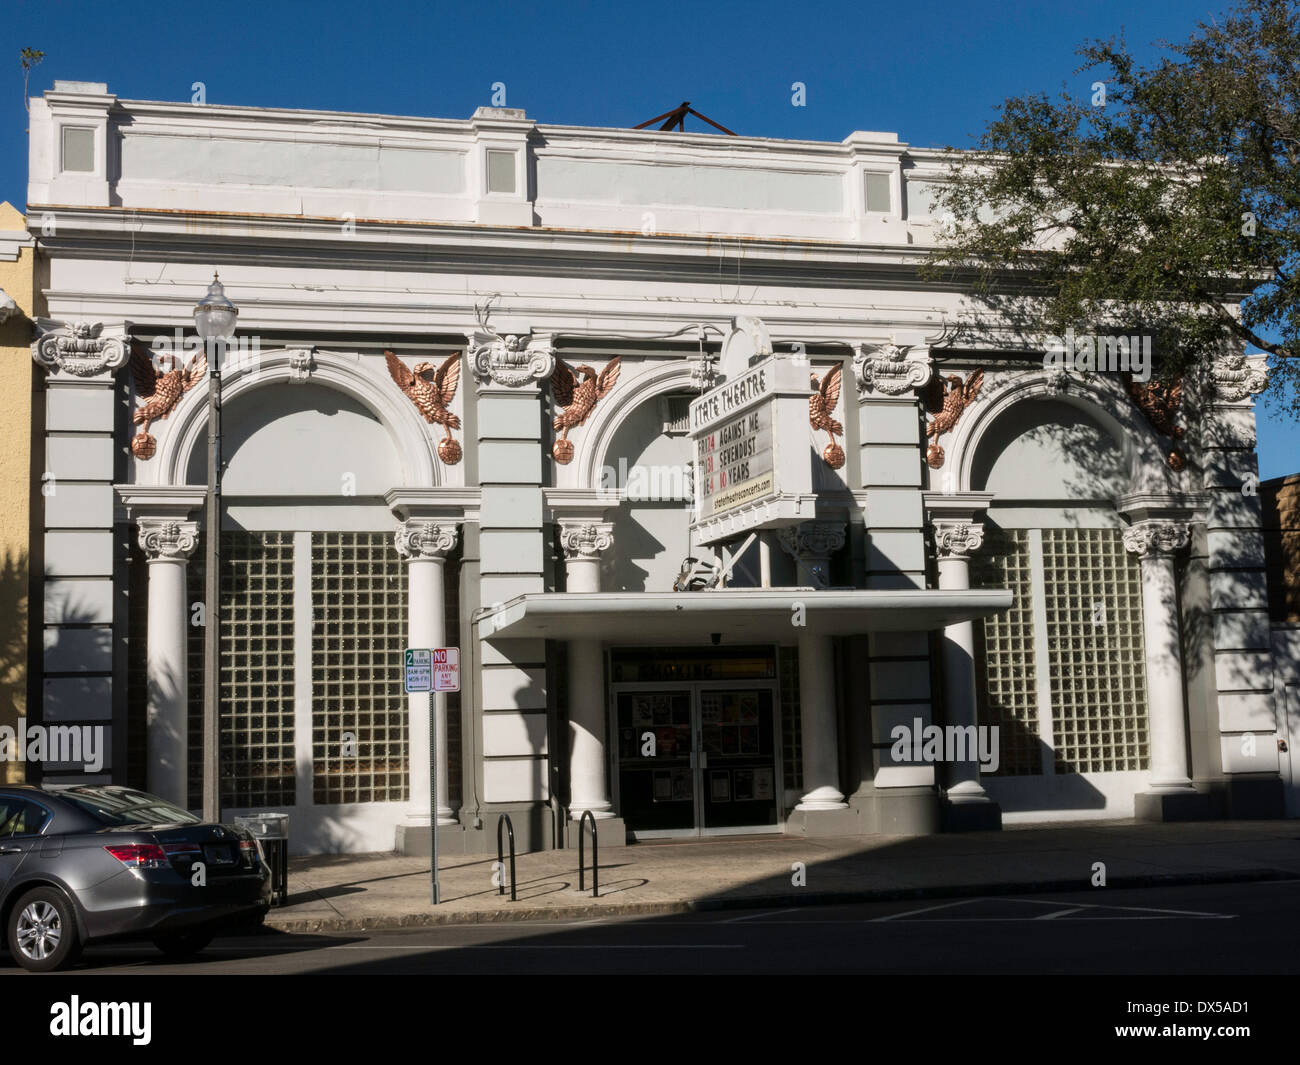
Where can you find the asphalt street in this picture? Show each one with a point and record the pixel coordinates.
(1244, 928)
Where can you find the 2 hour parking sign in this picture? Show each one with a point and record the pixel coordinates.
(419, 670)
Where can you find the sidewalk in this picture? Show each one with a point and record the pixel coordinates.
(373, 891)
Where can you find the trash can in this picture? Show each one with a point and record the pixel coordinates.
(272, 834)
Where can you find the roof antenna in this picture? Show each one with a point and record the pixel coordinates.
(677, 117)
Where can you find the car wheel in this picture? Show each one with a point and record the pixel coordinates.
(43, 931)
(183, 945)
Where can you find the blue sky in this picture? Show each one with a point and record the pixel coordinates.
(930, 70)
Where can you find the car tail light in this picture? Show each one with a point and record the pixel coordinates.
(248, 851)
(139, 855)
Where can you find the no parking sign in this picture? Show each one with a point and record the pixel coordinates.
(446, 669)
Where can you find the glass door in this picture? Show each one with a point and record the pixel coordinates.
(656, 760)
(695, 758)
(736, 774)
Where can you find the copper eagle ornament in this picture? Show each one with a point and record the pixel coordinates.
(579, 398)
(161, 389)
(432, 398)
(956, 397)
(1159, 403)
(821, 408)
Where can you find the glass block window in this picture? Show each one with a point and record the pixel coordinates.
(256, 690)
(1006, 676)
(358, 593)
(1094, 639)
(791, 722)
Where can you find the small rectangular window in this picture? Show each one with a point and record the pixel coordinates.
(78, 149)
(500, 171)
(877, 193)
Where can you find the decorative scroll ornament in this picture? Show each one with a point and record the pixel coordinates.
(586, 539)
(821, 407)
(947, 397)
(1160, 403)
(168, 540)
(957, 539)
(160, 381)
(432, 398)
(812, 539)
(579, 398)
(302, 364)
(890, 369)
(1236, 377)
(812, 543)
(8, 308)
(510, 360)
(416, 540)
(77, 349)
(1154, 537)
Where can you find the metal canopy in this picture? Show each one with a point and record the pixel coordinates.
(737, 613)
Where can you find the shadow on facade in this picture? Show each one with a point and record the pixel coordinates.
(13, 650)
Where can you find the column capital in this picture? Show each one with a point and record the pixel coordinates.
(418, 540)
(585, 539)
(1237, 376)
(1154, 537)
(957, 539)
(78, 349)
(168, 540)
(891, 369)
(812, 540)
(508, 359)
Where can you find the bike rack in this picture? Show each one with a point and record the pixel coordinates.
(504, 820)
(582, 865)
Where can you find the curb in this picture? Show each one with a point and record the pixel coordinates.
(426, 919)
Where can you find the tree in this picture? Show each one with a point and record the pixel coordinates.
(1155, 205)
(30, 57)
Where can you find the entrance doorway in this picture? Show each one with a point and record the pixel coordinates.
(696, 758)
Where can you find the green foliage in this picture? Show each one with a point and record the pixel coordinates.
(1157, 212)
(30, 57)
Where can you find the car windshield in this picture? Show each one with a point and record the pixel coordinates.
(126, 806)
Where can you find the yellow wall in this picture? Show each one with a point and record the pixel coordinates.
(16, 366)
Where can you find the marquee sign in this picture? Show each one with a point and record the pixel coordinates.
(753, 463)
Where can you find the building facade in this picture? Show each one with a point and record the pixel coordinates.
(20, 430)
(478, 398)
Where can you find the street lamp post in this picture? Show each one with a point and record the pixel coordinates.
(214, 320)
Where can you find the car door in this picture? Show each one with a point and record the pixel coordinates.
(20, 824)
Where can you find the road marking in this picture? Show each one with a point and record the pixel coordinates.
(1108, 906)
(925, 909)
(555, 946)
(756, 916)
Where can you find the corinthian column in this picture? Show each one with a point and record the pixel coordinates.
(583, 541)
(425, 545)
(167, 544)
(1155, 542)
(954, 541)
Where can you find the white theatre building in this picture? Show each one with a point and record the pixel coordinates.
(604, 343)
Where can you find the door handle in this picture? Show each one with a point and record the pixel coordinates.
(11, 850)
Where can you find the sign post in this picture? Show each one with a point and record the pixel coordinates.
(418, 677)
